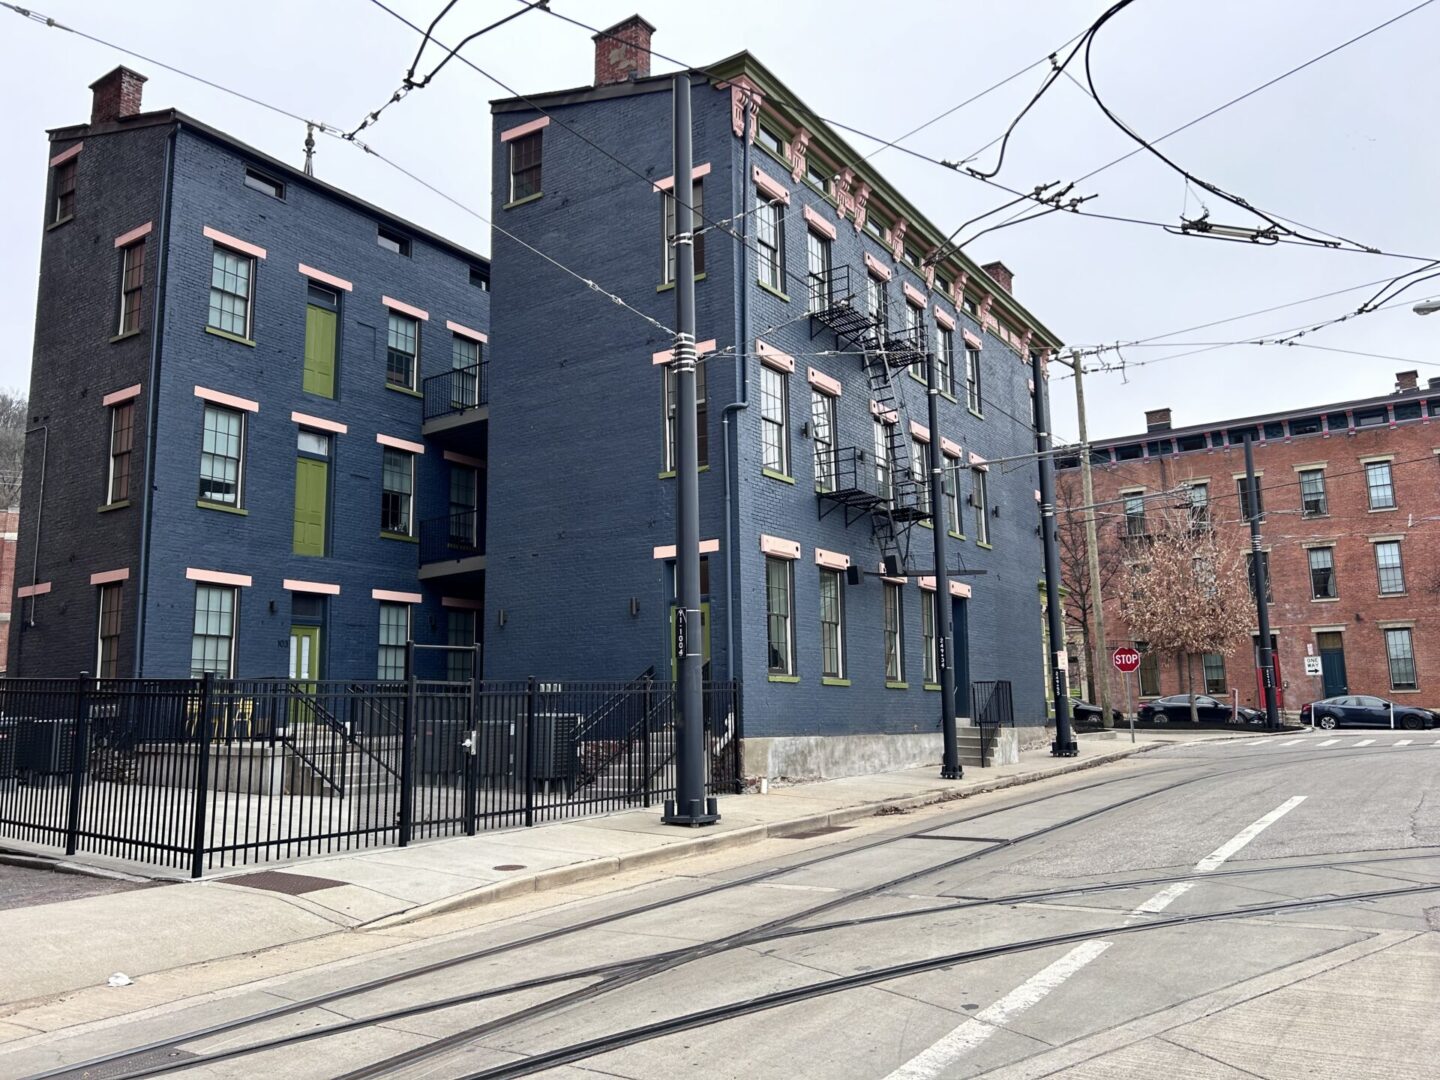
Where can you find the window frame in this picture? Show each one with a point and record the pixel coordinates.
(920, 473)
(915, 331)
(132, 288)
(209, 409)
(822, 436)
(210, 590)
(214, 313)
(1306, 477)
(1388, 485)
(945, 359)
(469, 509)
(121, 410)
(389, 454)
(894, 632)
(394, 319)
(877, 301)
(384, 648)
(519, 166)
(832, 630)
(667, 231)
(884, 461)
(64, 178)
(1326, 586)
(974, 388)
(929, 639)
(671, 402)
(1242, 496)
(393, 241)
(769, 242)
(465, 382)
(774, 428)
(1413, 683)
(786, 618)
(980, 499)
(264, 183)
(109, 618)
(1205, 669)
(819, 269)
(1199, 508)
(1398, 569)
(950, 488)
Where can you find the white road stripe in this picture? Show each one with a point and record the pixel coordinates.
(939, 1057)
(1404, 742)
(1364, 742)
(1245, 835)
(1292, 742)
(1329, 742)
(1164, 898)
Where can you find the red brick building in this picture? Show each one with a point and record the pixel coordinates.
(1351, 499)
(9, 531)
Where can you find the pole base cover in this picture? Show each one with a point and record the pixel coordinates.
(955, 773)
(1069, 748)
(694, 813)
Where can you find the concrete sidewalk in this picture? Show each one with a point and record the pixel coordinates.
(57, 947)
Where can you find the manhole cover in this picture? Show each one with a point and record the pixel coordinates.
(281, 882)
(136, 1062)
(509, 866)
(810, 834)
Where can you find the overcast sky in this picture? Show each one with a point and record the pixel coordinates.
(1348, 146)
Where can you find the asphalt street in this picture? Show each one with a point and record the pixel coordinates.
(1266, 908)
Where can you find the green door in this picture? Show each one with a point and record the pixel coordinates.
(312, 478)
(304, 669)
(319, 351)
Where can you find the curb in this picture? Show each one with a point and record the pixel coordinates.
(593, 868)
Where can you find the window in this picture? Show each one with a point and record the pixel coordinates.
(402, 351)
(768, 139)
(980, 498)
(464, 505)
(1265, 567)
(525, 166)
(465, 372)
(267, 185)
(817, 269)
(770, 242)
(697, 203)
(1134, 513)
(894, 634)
(915, 336)
(1243, 491)
(480, 277)
(1149, 670)
(1312, 493)
(312, 492)
(779, 593)
(875, 227)
(230, 278)
(394, 633)
(927, 633)
(822, 432)
(1322, 574)
(212, 643)
(322, 309)
(817, 178)
(394, 241)
(107, 657)
(1214, 664)
(1379, 485)
(971, 308)
(945, 358)
(1308, 425)
(911, 255)
(774, 425)
(951, 478)
(702, 417)
(397, 492)
(1389, 567)
(62, 192)
(132, 286)
(122, 442)
(877, 302)
(920, 473)
(974, 399)
(832, 624)
(460, 636)
(1400, 651)
(1199, 502)
(221, 451)
(883, 460)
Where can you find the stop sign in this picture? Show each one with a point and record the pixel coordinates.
(1126, 659)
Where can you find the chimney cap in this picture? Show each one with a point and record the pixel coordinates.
(1157, 420)
(1407, 380)
(623, 23)
(118, 70)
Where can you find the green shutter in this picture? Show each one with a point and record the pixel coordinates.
(311, 481)
(319, 351)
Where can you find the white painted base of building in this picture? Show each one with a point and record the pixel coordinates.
(800, 759)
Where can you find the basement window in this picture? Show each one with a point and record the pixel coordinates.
(391, 240)
(266, 185)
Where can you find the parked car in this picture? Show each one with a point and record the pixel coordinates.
(1361, 710)
(1086, 713)
(1177, 707)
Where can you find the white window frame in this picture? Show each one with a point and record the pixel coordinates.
(787, 668)
(228, 670)
(409, 530)
(822, 437)
(382, 645)
(835, 627)
(980, 499)
(248, 261)
(894, 635)
(775, 419)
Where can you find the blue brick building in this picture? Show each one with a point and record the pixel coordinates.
(814, 278)
(258, 416)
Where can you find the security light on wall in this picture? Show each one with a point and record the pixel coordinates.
(500, 617)
(634, 605)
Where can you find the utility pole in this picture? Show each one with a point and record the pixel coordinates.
(689, 807)
(1259, 578)
(1064, 744)
(950, 768)
(1100, 668)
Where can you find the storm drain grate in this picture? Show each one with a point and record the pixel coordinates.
(128, 1065)
(281, 882)
(810, 834)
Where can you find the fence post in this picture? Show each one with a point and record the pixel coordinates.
(78, 760)
(530, 696)
(407, 748)
(472, 755)
(202, 776)
(647, 703)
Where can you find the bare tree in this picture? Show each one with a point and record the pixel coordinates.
(1081, 594)
(1186, 589)
(14, 409)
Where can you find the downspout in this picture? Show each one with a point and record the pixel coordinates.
(152, 406)
(742, 394)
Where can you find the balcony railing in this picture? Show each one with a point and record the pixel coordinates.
(849, 475)
(457, 391)
(455, 536)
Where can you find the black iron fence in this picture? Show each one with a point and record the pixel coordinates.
(201, 774)
(992, 707)
(456, 390)
(454, 536)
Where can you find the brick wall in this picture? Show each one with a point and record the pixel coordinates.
(9, 525)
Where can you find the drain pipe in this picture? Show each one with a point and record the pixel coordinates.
(742, 392)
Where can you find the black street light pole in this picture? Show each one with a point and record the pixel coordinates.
(1260, 580)
(1064, 744)
(689, 807)
(950, 768)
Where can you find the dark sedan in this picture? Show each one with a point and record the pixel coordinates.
(1360, 710)
(1089, 715)
(1176, 707)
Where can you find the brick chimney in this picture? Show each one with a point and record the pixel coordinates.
(116, 95)
(1157, 419)
(1407, 382)
(623, 52)
(1002, 275)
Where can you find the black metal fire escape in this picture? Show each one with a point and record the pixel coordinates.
(889, 492)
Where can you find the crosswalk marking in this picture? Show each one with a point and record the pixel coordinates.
(1292, 742)
(1364, 742)
(1329, 742)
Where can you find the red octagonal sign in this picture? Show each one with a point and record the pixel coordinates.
(1126, 659)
